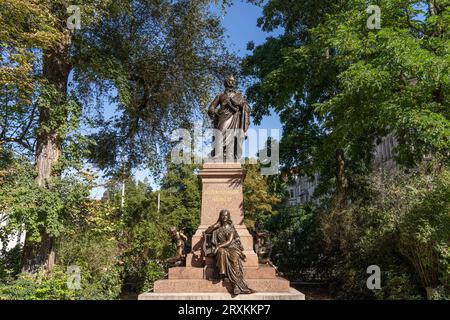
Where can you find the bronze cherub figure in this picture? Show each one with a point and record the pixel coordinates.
(179, 239)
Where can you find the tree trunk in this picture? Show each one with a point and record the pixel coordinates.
(341, 181)
(56, 69)
(38, 255)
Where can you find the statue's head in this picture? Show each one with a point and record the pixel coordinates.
(225, 217)
(173, 231)
(230, 81)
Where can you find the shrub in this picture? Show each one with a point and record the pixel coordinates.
(41, 286)
(10, 262)
(96, 254)
(404, 228)
(401, 222)
(144, 248)
(297, 243)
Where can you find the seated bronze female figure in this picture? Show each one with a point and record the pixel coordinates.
(228, 252)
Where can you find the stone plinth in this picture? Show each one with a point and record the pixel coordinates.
(202, 285)
(207, 272)
(221, 189)
(292, 294)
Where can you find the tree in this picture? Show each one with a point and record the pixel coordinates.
(297, 243)
(258, 198)
(25, 206)
(338, 85)
(181, 197)
(156, 59)
(143, 236)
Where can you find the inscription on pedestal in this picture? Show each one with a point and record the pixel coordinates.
(222, 189)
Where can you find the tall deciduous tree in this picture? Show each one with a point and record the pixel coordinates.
(338, 85)
(155, 59)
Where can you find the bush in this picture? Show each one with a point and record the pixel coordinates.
(10, 262)
(401, 223)
(398, 285)
(297, 243)
(425, 230)
(403, 226)
(96, 254)
(145, 246)
(41, 286)
(150, 273)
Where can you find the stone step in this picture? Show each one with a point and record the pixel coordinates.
(193, 285)
(195, 259)
(291, 295)
(260, 272)
(186, 273)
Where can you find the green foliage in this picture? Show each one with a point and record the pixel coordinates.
(41, 286)
(97, 256)
(156, 61)
(143, 232)
(144, 247)
(439, 293)
(400, 223)
(161, 81)
(338, 84)
(335, 83)
(86, 239)
(297, 243)
(26, 24)
(398, 285)
(10, 262)
(259, 199)
(425, 229)
(35, 209)
(403, 227)
(180, 197)
(151, 272)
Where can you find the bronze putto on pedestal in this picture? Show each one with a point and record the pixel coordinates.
(179, 239)
(262, 245)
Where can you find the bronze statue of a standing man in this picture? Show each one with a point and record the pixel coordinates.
(231, 120)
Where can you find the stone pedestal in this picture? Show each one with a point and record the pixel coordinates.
(221, 189)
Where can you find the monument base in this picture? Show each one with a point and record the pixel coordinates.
(292, 294)
(221, 189)
(276, 284)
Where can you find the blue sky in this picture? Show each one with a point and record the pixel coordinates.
(240, 23)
